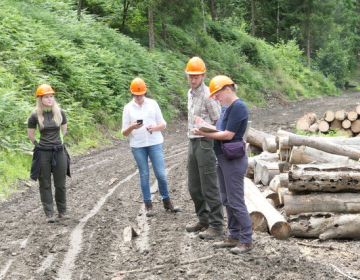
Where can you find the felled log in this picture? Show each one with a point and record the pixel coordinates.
(257, 137)
(352, 116)
(276, 223)
(281, 194)
(355, 126)
(314, 127)
(258, 219)
(346, 124)
(323, 126)
(329, 116)
(325, 225)
(340, 115)
(265, 156)
(305, 155)
(272, 197)
(324, 178)
(357, 109)
(298, 140)
(306, 121)
(265, 171)
(269, 145)
(336, 124)
(322, 202)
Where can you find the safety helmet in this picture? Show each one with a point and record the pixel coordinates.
(195, 66)
(44, 89)
(218, 82)
(138, 86)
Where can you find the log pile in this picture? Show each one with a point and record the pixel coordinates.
(321, 199)
(341, 120)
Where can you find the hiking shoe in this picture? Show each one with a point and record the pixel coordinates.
(242, 248)
(210, 233)
(63, 216)
(197, 227)
(227, 243)
(169, 206)
(50, 218)
(149, 209)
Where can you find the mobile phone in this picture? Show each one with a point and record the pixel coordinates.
(139, 121)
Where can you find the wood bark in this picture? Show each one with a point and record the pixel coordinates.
(258, 219)
(151, 27)
(276, 223)
(322, 202)
(257, 137)
(329, 116)
(324, 178)
(325, 225)
(298, 140)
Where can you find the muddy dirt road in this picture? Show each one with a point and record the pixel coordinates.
(104, 199)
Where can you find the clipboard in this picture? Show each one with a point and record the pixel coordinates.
(208, 129)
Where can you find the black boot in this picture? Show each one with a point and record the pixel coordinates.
(149, 209)
(169, 206)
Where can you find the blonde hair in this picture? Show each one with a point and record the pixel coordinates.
(55, 110)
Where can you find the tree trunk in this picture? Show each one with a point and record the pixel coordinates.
(306, 121)
(326, 177)
(276, 223)
(258, 219)
(336, 124)
(257, 137)
(151, 28)
(164, 31)
(329, 116)
(269, 170)
(269, 145)
(297, 140)
(323, 126)
(325, 225)
(355, 126)
(308, 42)
(357, 109)
(203, 14)
(305, 155)
(79, 9)
(346, 124)
(126, 5)
(322, 202)
(271, 196)
(252, 17)
(252, 162)
(277, 21)
(340, 115)
(352, 116)
(212, 10)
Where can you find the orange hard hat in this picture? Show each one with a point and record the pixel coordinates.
(218, 82)
(138, 86)
(195, 66)
(44, 89)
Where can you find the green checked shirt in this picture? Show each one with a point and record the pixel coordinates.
(201, 105)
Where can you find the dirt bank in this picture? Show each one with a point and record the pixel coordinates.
(104, 198)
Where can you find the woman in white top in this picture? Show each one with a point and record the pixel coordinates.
(143, 121)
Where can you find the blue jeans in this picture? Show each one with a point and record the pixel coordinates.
(155, 153)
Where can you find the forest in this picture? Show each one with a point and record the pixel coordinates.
(90, 50)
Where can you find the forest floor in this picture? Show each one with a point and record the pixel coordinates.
(104, 199)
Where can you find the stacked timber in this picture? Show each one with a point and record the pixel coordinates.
(323, 200)
(341, 120)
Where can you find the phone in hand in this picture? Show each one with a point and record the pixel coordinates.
(139, 121)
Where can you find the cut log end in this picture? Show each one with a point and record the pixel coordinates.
(281, 230)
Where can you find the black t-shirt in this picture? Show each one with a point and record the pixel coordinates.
(234, 119)
(50, 133)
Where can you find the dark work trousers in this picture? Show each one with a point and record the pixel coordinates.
(202, 182)
(231, 180)
(59, 176)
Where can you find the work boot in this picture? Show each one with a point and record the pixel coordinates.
(149, 209)
(210, 233)
(227, 243)
(242, 248)
(50, 218)
(197, 227)
(169, 206)
(63, 216)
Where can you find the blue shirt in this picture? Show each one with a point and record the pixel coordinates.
(233, 118)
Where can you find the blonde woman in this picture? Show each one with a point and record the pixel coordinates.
(50, 155)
